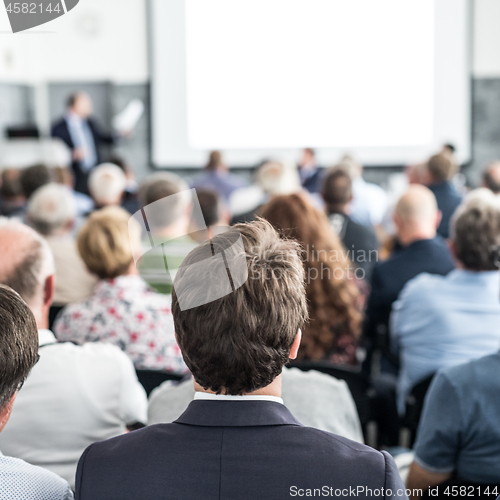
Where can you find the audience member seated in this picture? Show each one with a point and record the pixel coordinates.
(218, 178)
(215, 215)
(18, 355)
(315, 399)
(52, 213)
(272, 177)
(33, 178)
(122, 309)
(107, 185)
(84, 203)
(12, 200)
(491, 177)
(170, 225)
(459, 435)
(130, 202)
(75, 395)
(416, 218)
(440, 169)
(369, 201)
(333, 299)
(236, 439)
(439, 321)
(309, 171)
(360, 241)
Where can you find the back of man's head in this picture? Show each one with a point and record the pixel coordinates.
(240, 342)
(18, 347)
(278, 177)
(10, 187)
(107, 184)
(440, 168)
(491, 177)
(337, 190)
(52, 210)
(211, 207)
(33, 178)
(416, 214)
(26, 262)
(215, 162)
(158, 187)
(475, 231)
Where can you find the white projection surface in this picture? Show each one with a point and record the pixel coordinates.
(385, 80)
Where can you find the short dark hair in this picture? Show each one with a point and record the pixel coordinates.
(11, 185)
(337, 188)
(33, 178)
(475, 231)
(440, 168)
(18, 343)
(240, 342)
(210, 204)
(71, 100)
(214, 161)
(491, 178)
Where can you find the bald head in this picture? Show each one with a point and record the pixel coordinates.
(491, 177)
(26, 262)
(416, 215)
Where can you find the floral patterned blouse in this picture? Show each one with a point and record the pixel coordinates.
(126, 312)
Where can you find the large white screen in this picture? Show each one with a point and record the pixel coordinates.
(386, 80)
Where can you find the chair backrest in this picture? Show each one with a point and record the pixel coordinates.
(150, 379)
(356, 380)
(415, 405)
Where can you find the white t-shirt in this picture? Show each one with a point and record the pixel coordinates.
(74, 396)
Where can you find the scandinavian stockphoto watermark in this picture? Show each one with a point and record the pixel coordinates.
(26, 15)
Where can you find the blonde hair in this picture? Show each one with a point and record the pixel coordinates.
(104, 243)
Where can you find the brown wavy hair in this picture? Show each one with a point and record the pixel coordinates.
(333, 298)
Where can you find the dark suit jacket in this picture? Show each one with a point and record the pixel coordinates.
(60, 130)
(448, 200)
(360, 242)
(389, 278)
(314, 181)
(233, 450)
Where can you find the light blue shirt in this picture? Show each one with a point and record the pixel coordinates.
(442, 321)
(20, 481)
(82, 138)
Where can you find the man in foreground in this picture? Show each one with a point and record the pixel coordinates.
(236, 440)
(18, 355)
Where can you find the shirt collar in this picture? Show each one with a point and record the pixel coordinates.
(45, 337)
(231, 413)
(224, 397)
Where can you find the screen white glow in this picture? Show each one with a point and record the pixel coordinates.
(290, 73)
(385, 80)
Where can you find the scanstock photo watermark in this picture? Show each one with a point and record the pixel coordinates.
(26, 15)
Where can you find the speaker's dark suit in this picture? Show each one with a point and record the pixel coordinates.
(234, 450)
(61, 131)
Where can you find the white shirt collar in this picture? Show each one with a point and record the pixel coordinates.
(225, 397)
(46, 337)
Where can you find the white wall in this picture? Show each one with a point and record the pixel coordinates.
(97, 40)
(486, 50)
(107, 40)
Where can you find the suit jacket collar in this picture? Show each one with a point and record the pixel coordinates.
(236, 414)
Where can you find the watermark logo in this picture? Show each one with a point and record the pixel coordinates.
(217, 268)
(26, 15)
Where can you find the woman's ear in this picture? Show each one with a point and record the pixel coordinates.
(296, 344)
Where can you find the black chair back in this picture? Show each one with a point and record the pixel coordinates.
(150, 379)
